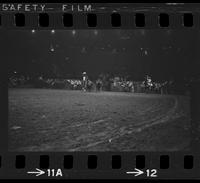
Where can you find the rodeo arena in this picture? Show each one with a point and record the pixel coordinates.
(103, 83)
(102, 114)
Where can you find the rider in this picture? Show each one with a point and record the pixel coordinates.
(84, 81)
(148, 83)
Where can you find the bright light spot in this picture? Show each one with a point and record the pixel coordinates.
(53, 31)
(33, 31)
(95, 32)
(145, 52)
(15, 72)
(52, 48)
(83, 50)
(73, 32)
(16, 127)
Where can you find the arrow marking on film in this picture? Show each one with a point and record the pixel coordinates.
(38, 172)
(137, 172)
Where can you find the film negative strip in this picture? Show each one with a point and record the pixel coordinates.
(100, 91)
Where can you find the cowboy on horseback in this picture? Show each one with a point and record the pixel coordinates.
(148, 83)
(84, 81)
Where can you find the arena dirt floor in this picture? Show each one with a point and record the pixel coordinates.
(63, 120)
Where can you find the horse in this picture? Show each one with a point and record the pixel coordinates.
(99, 85)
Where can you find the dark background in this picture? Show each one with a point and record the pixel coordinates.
(163, 54)
(9, 168)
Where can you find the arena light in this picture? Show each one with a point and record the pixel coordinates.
(33, 31)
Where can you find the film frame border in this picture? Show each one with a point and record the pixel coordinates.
(128, 160)
(113, 20)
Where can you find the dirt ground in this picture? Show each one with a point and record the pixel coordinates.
(62, 120)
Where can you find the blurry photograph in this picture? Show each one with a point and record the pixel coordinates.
(100, 90)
